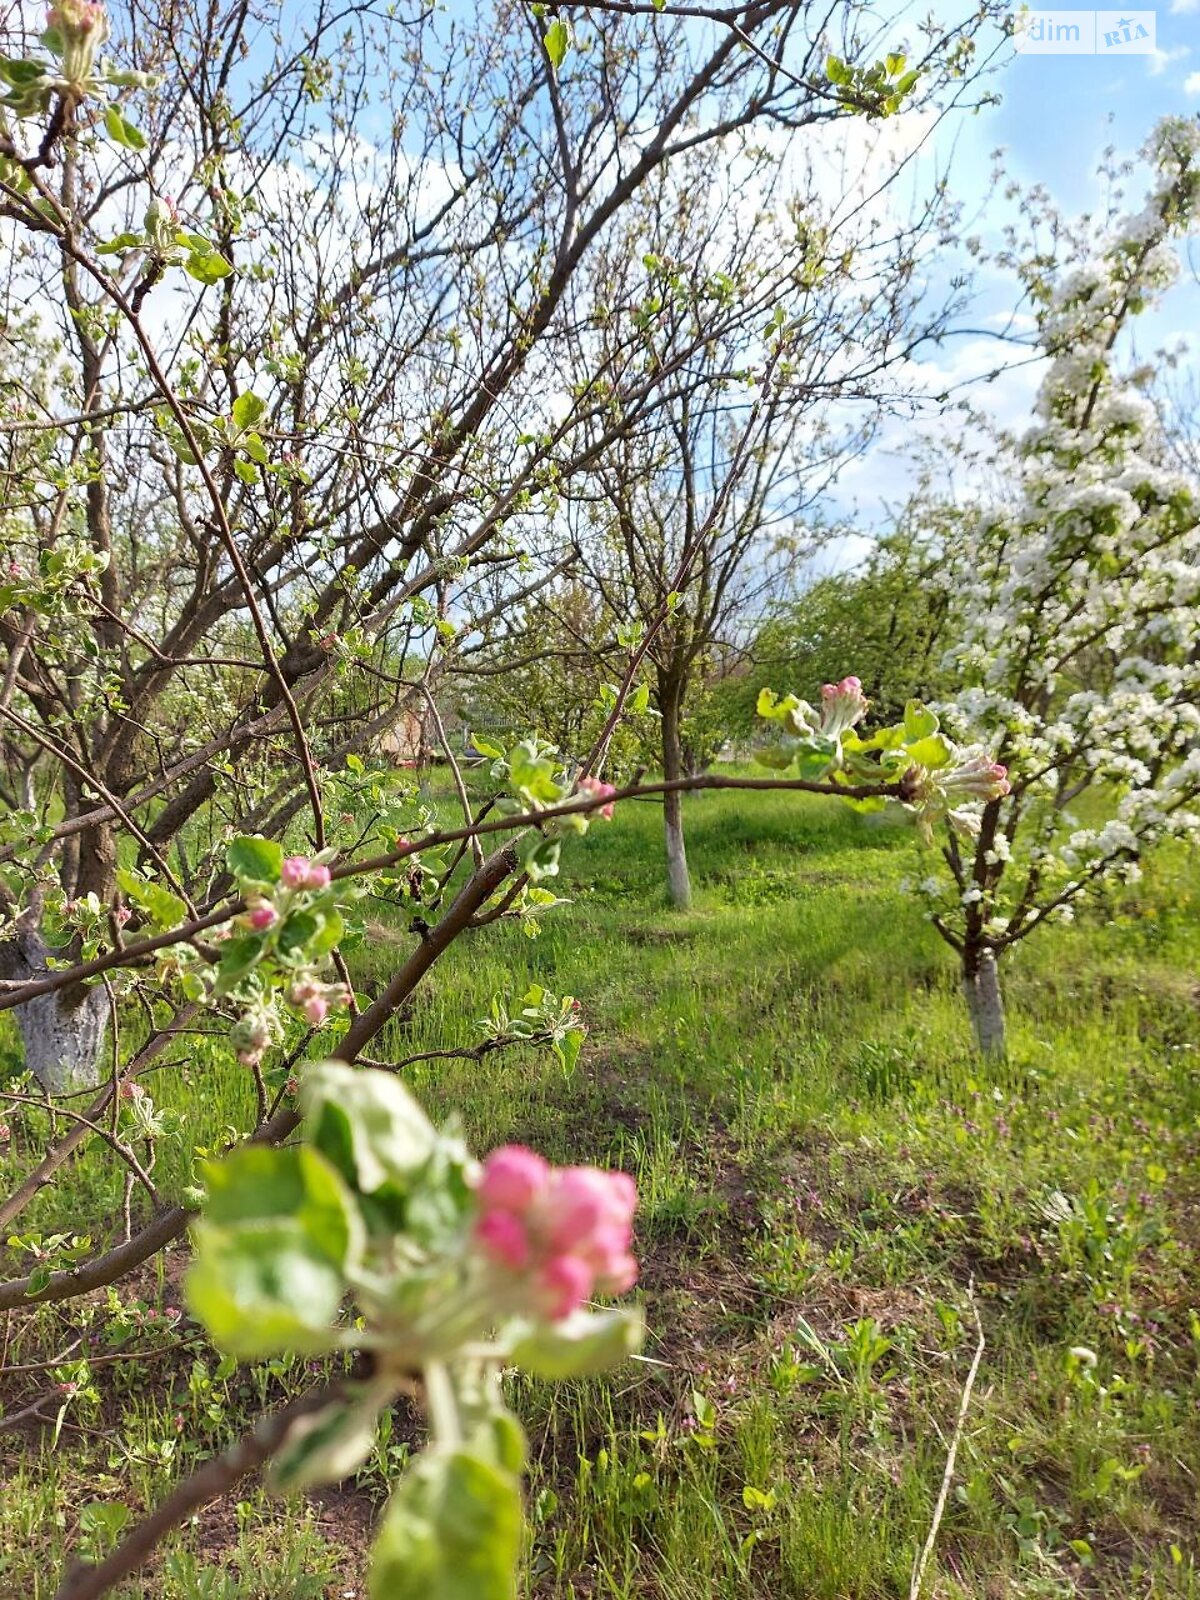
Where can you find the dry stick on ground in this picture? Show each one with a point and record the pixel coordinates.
(918, 1578)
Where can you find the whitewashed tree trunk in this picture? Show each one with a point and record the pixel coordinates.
(981, 986)
(679, 883)
(63, 1032)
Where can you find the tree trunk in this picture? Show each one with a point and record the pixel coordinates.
(981, 986)
(63, 1032)
(679, 884)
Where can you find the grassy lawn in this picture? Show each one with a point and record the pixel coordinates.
(833, 1192)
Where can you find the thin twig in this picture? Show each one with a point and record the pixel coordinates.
(918, 1578)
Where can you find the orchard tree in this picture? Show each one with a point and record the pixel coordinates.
(295, 413)
(1079, 649)
(274, 296)
(690, 521)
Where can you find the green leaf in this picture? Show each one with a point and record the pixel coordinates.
(165, 909)
(207, 265)
(122, 132)
(123, 241)
(264, 1289)
(297, 931)
(774, 756)
(328, 1445)
(932, 752)
(584, 1342)
(837, 71)
(246, 470)
(557, 39)
(367, 1124)
(486, 748)
(329, 934)
(541, 861)
(532, 775)
(238, 957)
(919, 721)
(567, 1049)
(21, 73)
(895, 65)
(259, 1184)
(451, 1531)
(248, 410)
(254, 860)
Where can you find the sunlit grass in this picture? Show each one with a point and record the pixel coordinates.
(786, 1068)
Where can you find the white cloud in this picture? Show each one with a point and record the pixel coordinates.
(1192, 84)
(1178, 7)
(1160, 60)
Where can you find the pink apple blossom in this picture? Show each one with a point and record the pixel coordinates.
(502, 1236)
(570, 1227)
(562, 1286)
(512, 1179)
(842, 705)
(262, 916)
(594, 789)
(301, 873)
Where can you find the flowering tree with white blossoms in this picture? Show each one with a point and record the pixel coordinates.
(1079, 653)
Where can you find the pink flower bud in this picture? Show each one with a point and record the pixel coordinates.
(502, 1237)
(619, 1274)
(77, 17)
(594, 789)
(318, 877)
(316, 1008)
(842, 705)
(978, 776)
(563, 1285)
(577, 1206)
(295, 872)
(263, 916)
(121, 916)
(512, 1179)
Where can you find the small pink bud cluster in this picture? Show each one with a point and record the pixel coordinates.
(594, 789)
(121, 916)
(76, 18)
(980, 777)
(301, 873)
(842, 705)
(315, 998)
(250, 1038)
(567, 1230)
(261, 915)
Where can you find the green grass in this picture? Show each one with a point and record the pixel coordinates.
(830, 1185)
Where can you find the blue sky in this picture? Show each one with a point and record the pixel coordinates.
(1056, 116)
(1059, 112)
